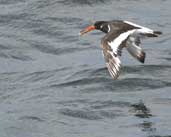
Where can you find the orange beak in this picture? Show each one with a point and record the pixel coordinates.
(87, 29)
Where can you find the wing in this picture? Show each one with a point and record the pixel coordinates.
(112, 45)
(133, 47)
(133, 42)
(112, 61)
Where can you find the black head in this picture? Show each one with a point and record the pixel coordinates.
(102, 25)
(99, 25)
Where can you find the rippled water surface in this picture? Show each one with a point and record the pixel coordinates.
(54, 83)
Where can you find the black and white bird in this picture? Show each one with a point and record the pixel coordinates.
(121, 34)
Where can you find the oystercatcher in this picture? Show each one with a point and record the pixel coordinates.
(121, 34)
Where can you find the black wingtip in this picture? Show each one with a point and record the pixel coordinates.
(142, 57)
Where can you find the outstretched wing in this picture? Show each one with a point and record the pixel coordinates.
(133, 42)
(113, 63)
(112, 51)
(133, 47)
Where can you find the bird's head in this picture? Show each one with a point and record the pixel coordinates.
(98, 25)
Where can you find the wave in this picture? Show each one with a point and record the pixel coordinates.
(82, 2)
(32, 118)
(7, 2)
(15, 55)
(132, 79)
(57, 50)
(94, 110)
(64, 20)
(121, 85)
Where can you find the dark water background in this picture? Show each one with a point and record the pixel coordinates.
(54, 83)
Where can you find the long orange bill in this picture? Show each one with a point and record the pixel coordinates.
(87, 29)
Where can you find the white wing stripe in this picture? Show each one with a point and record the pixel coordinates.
(143, 29)
(116, 42)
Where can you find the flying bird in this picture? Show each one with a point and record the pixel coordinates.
(121, 34)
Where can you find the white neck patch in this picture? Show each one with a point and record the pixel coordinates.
(108, 28)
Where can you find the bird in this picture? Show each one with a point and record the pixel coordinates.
(120, 34)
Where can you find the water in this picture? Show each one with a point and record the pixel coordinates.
(54, 83)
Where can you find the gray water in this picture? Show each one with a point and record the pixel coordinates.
(54, 83)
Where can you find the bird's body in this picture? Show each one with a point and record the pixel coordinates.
(119, 35)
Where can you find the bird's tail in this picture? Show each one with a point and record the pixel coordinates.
(157, 32)
(153, 34)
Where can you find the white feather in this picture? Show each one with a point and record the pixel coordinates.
(142, 29)
(117, 60)
(118, 40)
